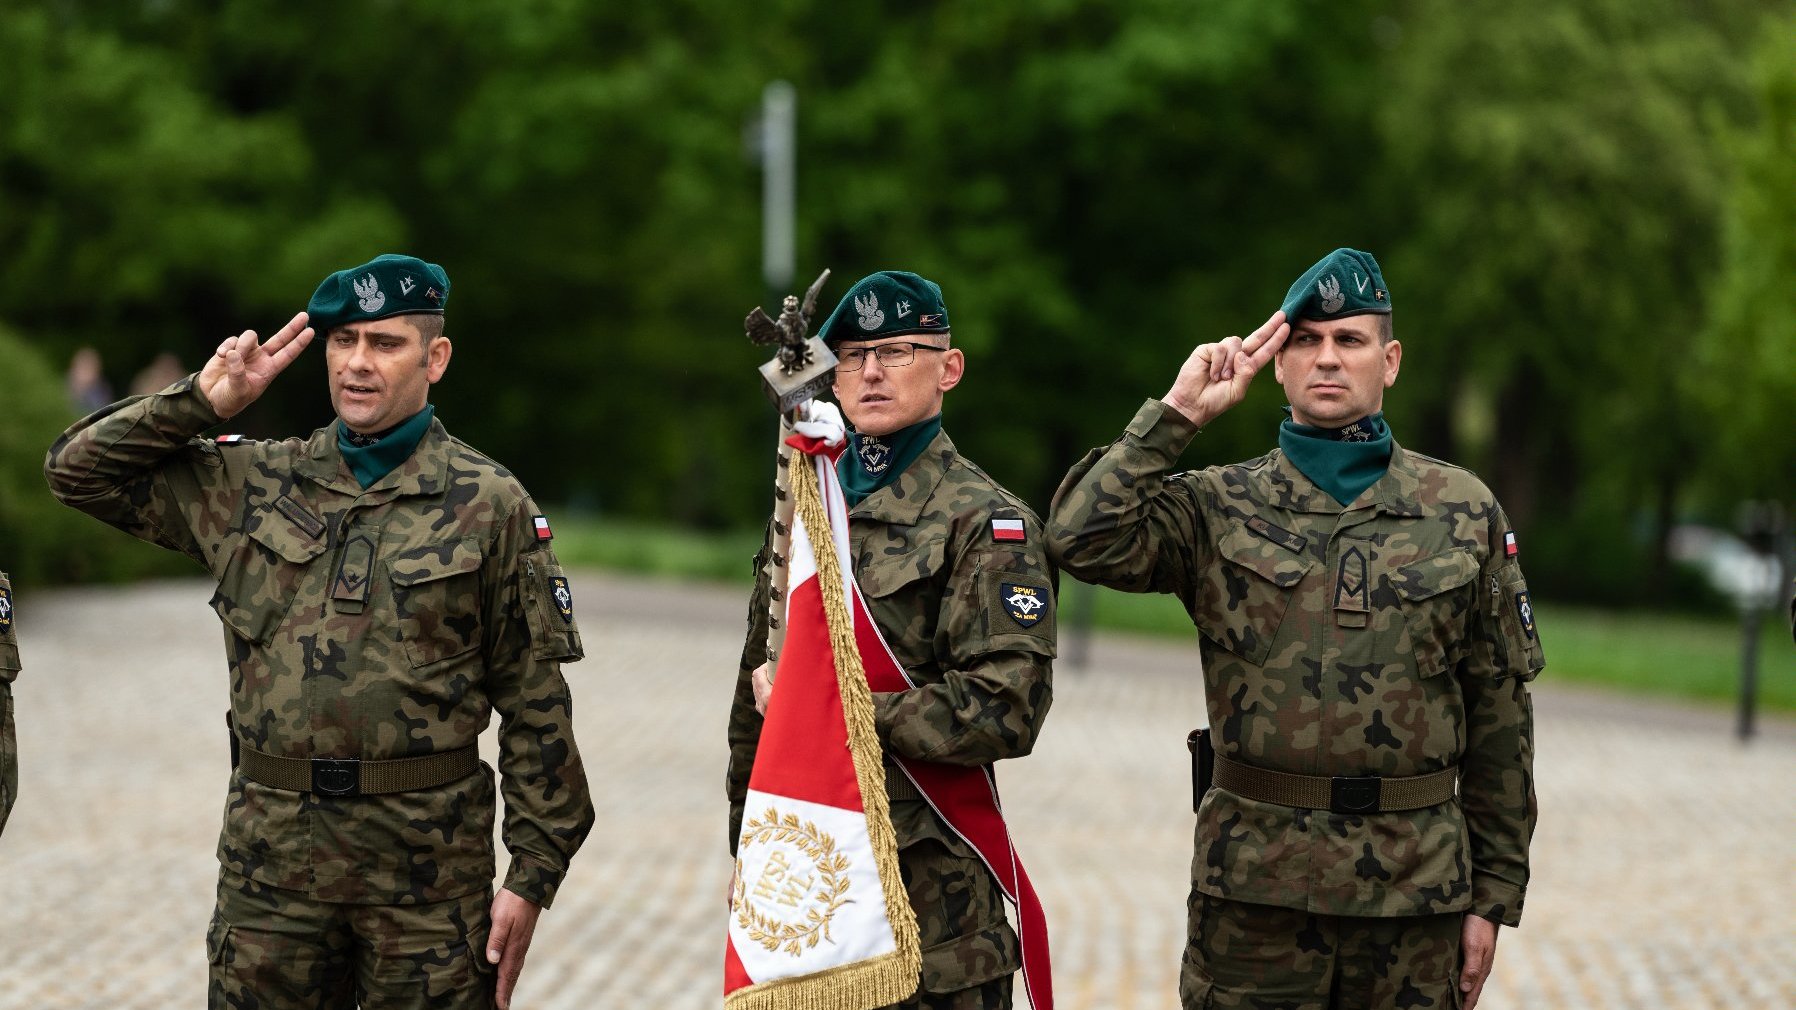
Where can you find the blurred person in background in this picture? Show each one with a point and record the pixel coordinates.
(87, 387)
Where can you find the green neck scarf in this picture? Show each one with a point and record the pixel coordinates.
(371, 457)
(1342, 461)
(876, 461)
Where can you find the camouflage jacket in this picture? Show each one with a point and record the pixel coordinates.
(934, 581)
(1394, 637)
(372, 624)
(9, 669)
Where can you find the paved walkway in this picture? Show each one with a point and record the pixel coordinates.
(1665, 862)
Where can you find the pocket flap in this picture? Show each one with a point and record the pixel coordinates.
(886, 575)
(438, 561)
(274, 532)
(1264, 558)
(1435, 575)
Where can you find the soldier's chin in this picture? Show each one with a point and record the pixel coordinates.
(360, 417)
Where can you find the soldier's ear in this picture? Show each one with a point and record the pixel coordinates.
(954, 365)
(1393, 360)
(436, 357)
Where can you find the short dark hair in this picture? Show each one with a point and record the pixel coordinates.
(1384, 328)
(430, 324)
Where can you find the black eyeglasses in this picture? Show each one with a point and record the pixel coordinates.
(893, 355)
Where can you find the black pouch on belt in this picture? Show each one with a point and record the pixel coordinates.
(1203, 765)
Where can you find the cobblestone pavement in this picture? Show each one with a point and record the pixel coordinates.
(1665, 862)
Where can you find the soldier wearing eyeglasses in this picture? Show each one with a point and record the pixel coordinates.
(954, 572)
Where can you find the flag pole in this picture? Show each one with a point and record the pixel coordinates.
(801, 370)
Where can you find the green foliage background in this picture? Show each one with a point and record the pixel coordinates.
(1587, 214)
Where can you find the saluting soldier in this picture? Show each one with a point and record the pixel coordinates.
(9, 670)
(955, 574)
(384, 589)
(1367, 641)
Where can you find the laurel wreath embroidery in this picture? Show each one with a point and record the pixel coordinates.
(832, 885)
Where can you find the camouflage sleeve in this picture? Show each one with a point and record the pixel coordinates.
(996, 623)
(1497, 772)
(745, 722)
(1117, 522)
(548, 810)
(9, 669)
(137, 466)
(9, 640)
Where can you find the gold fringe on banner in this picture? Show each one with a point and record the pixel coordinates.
(889, 978)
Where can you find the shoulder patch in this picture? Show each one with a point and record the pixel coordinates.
(5, 607)
(541, 525)
(228, 439)
(1025, 604)
(1008, 531)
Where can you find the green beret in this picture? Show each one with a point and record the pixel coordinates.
(1346, 282)
(889, 303)
(388, 285)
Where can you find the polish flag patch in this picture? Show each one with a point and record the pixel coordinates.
(541, 523)
(1007, 530)
(228, 439)
(1510, 550)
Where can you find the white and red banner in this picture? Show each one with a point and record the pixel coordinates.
(813, 923)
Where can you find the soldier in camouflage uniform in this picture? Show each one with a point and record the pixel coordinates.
(933, 554)
(9, 669)
(1367, 640)
(384, 589)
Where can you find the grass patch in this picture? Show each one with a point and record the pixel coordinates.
(657, 550)
(1644, 653)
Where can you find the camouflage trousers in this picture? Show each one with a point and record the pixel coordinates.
(969, 950)
(1259, 957)
(274, 949)
(9, 755)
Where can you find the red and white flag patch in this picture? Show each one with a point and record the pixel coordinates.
(1510, 550)
(542, 528)
(228, 439)
(1007, 530)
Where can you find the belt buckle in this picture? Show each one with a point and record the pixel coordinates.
(1349, 794)
(337, 776)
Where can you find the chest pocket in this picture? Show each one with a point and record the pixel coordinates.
(1438, 596)
(1243, 598)
(262, 575)
(436, 596)
(899, 588)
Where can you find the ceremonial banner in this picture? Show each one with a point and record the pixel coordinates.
(819, 918)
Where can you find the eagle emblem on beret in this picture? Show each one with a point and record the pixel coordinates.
(868, 307)
(368, 294)
(1330, 290)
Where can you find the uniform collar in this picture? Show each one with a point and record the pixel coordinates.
(902, 501)
(425, 472)
(1393, 494)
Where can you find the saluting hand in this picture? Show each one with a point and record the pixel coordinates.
(242, 367)
(1216, 376)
